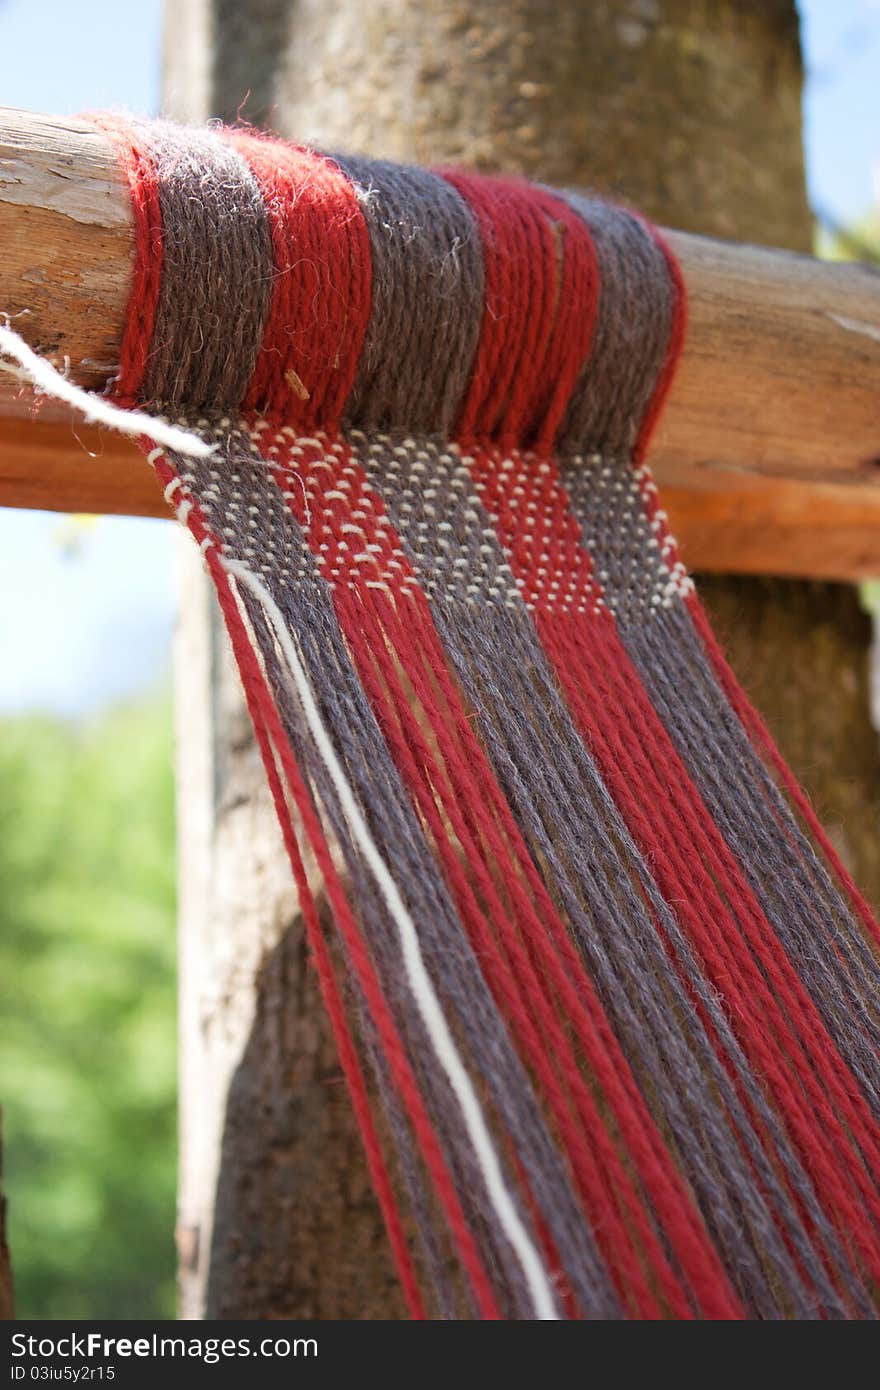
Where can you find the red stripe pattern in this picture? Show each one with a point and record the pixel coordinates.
(610, 998)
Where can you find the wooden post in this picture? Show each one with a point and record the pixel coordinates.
(768, 454)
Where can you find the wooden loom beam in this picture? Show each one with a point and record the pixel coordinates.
(768, 456)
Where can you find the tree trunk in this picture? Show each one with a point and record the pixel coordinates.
(690, 110)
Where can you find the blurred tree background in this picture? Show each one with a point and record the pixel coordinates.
(87, 996)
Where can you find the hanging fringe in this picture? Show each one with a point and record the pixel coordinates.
(610, 987)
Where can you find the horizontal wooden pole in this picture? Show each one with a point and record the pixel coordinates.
(768, 456)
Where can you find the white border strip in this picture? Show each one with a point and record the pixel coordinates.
(42, 375)
(419, 979)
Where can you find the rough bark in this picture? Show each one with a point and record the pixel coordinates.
(690, 109)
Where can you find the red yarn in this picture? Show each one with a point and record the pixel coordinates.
(257, 696)
(334, 490)
(320, 303)
(143, 187)
(541, 299)
(392, 1045)
(516, 986)
(641, 771)
(677, 836)
(541, 292)
(542, 540)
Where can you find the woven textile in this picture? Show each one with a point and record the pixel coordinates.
(605, 999)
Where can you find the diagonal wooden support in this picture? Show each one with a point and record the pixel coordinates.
(768, 456)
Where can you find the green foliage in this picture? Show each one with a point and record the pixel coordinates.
(869, 593)
(861, 242)
(87, 1040)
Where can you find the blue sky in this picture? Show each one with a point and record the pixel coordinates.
(81, 627)
(841, 40)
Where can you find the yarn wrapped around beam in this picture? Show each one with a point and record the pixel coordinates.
(604, 996)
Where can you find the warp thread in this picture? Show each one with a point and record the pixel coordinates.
(611, 987)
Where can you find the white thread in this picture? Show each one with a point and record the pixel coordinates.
(50, 382)
(417, 973)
